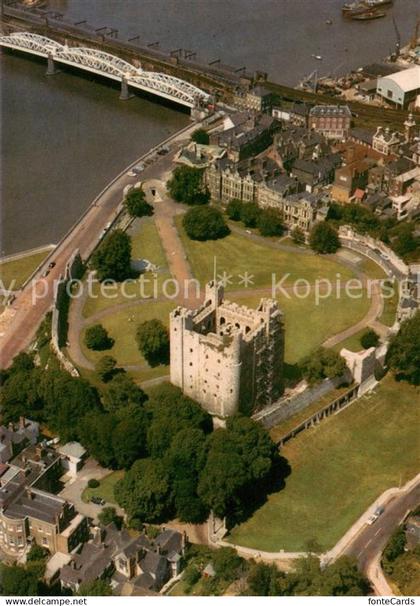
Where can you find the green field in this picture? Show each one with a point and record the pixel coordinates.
(338, 469)
(145, 245)
(14, 273)
(236, 254)
(105, 489)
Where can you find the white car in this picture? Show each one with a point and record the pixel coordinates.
(378, 512)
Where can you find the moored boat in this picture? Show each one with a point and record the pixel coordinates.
(369, 15)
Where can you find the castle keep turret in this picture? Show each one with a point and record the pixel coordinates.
(226, 356)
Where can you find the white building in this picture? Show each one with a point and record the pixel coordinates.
(401, 88)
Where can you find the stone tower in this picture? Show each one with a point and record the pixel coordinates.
(226, 356)
(409, 127)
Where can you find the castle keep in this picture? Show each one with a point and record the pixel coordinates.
(226, 356)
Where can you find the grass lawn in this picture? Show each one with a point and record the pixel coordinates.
(122, 327)
(388, 315)
(14, 273)
(105, 489)
(308, 325)
(146, 244)
(338, 469)
(237, 254)
(352, 343)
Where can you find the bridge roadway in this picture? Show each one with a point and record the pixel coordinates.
(84, 236)
(210, 77)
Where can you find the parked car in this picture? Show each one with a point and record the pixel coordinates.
(378, 512)
(97, 501)
(51, 265)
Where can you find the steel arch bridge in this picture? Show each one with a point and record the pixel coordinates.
(110, 66)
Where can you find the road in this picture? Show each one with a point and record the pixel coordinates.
(368, 544)
(37, 297)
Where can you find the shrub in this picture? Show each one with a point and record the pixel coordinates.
(234, 209)
(93, 483)
(250, 213)
(136, 204)
(369, 339)
(324, 239)
(270, 222)
(200, 136)
(298, 236)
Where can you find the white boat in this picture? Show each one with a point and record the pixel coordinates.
(317, 57)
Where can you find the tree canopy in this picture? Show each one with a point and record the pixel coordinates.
(322, 364)
(153, 341)
(205, 223)
(200, 136)
(186, 185)
(250, 213)
(404, 351)
(234, 209)
(369, 339)
(97, 338)
(324, 239)
(270, 222)
(136, 205)
(112, 258)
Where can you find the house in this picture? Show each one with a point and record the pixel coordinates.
(386, 141)
(299, 114)
(209, 571)
(15, 437)
(349, 178)
(361, 136)
(400, 88)
(30, 513)
(333, 121)
(258, 99)
(73, 455)
(367, 89)
(246, 139)
(136, 565)
(315, 173)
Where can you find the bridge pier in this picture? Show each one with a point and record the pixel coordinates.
(125, 94)
(51, 70)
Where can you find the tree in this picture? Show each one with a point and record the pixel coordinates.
(136, 205)
(121, 391)
(23, 361)
(105, 368)
(112, 259)
(129, 438)
(97, 338)
(186, 185)
(298, 236)
(239, 462)
(200, 136)
(37, 553)
(321, 364)
(369, 339)
(249, 214)
(404, 351)
(99, 587)
(20, 396)
(234, 209)
(95, 430)
(144, 492)
(270, 222)
(93, 483)
(153, 341)
(261, 579)
(394, 549)
(205, 223)
(324, 239)
(226, 563)
(109, 515)
(18, 580)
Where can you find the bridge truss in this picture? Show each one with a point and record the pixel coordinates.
(107, 65)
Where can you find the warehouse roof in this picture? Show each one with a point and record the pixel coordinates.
(407, 79)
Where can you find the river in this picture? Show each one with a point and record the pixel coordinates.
(64, 137)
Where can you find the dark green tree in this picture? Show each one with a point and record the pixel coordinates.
(97, 338)
(205, 223)
(153, 341)
(369, 339)
(18, 580)
(112, 259)
(270, 222)
(404, 351)
(262, 578)
(324, 239)
(129, 438)
(186, 185)
(121, 391)
(250, 213)
(144, 492)
(136, 205)
(20, 395)
(322, 364)
(200, 136)
(105, 368)
(234, 209)
(95, 430)
(394, 549)
(109, 515)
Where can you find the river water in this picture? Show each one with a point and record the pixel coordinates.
(63, 138)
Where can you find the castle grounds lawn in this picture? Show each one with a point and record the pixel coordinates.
(353, 342)
(308, 325)
(146, 244)
(122, 327)
(236, 255)
(20, 270)
(105, 490)
(338, 469)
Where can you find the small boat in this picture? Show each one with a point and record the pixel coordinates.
(317, 57)
(369, 15)
(378, 3)
(329, 22)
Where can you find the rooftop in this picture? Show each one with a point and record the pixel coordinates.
(407, 79)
